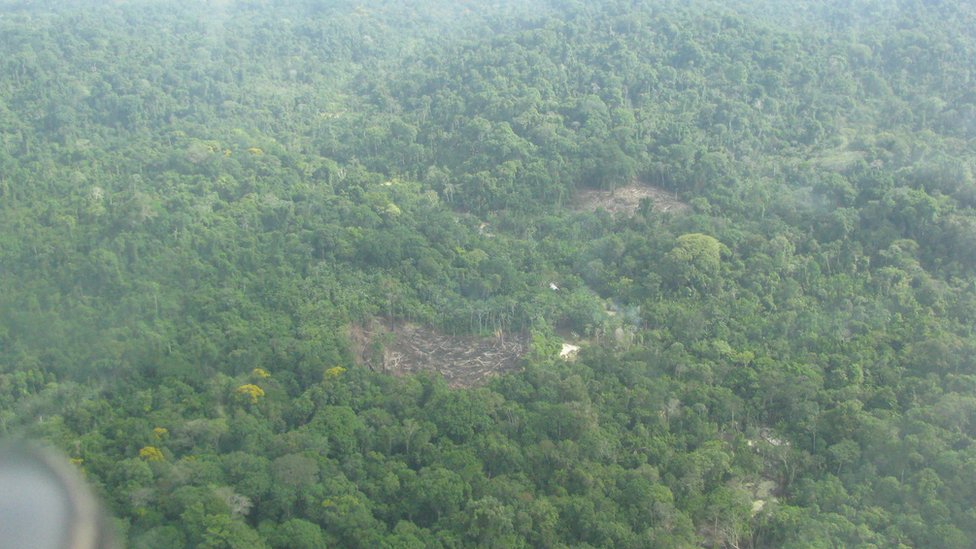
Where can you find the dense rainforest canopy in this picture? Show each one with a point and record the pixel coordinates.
(202, 202)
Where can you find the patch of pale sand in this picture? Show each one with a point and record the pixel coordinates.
(568, 351)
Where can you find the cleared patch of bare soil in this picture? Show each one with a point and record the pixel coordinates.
(464, 361)
(626, 200)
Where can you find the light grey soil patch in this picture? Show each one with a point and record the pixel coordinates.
(626, 200)
(464, 361)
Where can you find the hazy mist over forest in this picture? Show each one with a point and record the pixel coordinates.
(587, 273)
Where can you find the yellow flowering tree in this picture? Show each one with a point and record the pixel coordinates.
(251, 391)
(151, 453)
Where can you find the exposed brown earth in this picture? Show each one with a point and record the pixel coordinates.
(464, 361)
(626, 200)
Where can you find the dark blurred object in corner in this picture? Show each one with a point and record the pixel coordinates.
(45, 504)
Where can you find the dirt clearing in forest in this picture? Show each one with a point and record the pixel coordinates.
(464, 361)
(627, 199)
